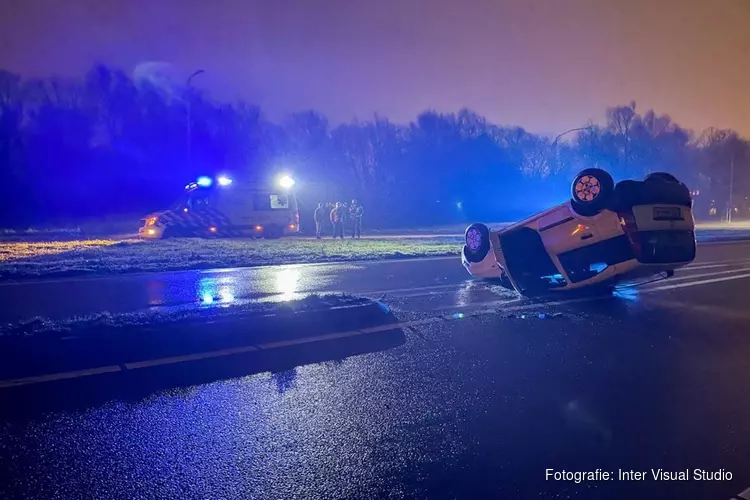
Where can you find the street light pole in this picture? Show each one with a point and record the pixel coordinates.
(189, 120)
(554, 143)
(731, 189)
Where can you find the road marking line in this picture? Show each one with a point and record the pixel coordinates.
(482, 309)
(189, 357)
(397, 290)
(533, 305)
(418, 289)
(193, 357)
(703, 275)
(58, 376)
(745, 494)
(695, 283)
(305, 340)
(678, 278)
(712, 265)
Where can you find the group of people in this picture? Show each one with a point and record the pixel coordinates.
(339, 215)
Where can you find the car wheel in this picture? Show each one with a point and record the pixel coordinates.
(661, 176)
(477, 237)
(592, 191)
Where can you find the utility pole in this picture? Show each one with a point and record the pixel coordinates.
(731, 189)
(189, 119)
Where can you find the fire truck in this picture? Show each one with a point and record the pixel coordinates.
(224, 207)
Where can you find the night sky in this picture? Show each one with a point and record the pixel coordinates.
(547, 65)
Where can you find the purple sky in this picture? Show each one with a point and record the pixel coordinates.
(547, 65)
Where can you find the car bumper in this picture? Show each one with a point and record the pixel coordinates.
(487, 268)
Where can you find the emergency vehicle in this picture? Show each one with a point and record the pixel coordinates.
(221, 207)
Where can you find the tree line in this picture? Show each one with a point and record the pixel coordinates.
(109, 144)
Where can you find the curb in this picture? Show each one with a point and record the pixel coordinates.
(35, 355)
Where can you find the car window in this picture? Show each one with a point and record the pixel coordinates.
(585, 269)
(586, 262)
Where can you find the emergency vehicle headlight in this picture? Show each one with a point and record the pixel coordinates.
(259, 228)
(285, 181)
(204, 181)
(151, 232)
(151, 221)
(224, 181)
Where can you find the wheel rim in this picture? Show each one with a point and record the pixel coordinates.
(587, 188)
(473, 240)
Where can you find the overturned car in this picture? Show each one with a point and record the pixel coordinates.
(604, 235)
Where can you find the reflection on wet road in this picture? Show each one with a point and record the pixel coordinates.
(430, 283)
(475, 403)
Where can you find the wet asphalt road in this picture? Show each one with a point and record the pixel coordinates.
(475, 407)
(433, 277)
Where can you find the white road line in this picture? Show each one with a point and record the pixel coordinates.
(694, 283)
(58, 376)
(745, 494)
(492, 305)
(723, 242)
(308, 340)
(441, 290)
(418, 289)
(703, 275)
(483, 308)
(711, 265)
(189, 357)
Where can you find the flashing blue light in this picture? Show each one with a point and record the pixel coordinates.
(224, 181)
(207, 299)
(205, 181)
(458, 316)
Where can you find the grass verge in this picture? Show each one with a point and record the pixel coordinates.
(19, 260)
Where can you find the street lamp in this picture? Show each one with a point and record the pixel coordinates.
(189, 121)
(554, 143)
(286, 181)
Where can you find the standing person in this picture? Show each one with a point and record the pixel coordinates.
(344, 216)
(319, 217)
(337, 221)
(356, 212)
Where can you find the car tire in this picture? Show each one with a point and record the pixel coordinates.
(661, 177)
(477, 238)
(592, 190)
